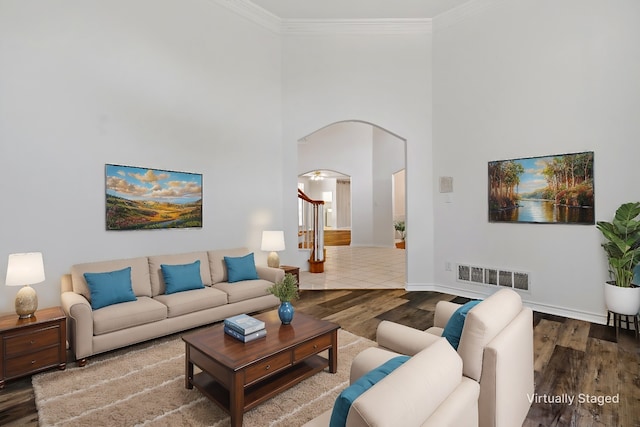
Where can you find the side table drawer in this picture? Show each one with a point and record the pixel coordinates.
(40, 359)
(29, 341)
(312, 347)
(267, 367)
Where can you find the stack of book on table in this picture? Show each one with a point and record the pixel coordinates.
(244, 328)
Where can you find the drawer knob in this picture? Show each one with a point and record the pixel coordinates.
(267, 367)
(32, 342)
(33, 362)
(315, 346)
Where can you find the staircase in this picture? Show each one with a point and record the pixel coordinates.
(311, 231)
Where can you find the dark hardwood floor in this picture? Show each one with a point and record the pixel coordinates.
(571, 357)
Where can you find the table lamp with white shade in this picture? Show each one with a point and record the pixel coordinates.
(273, 241)
(24, 270)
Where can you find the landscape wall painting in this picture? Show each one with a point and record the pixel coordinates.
(548, 190)
(143, 198)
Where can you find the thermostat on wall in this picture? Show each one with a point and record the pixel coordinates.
(446, 184)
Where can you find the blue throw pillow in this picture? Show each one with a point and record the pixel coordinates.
(241, 268)
(364, 383)
(636, 275)
(110, 287)
(183, 277)
(453, 328)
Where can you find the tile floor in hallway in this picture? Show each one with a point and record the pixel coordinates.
(349, 267)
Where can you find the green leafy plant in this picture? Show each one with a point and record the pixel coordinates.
(623, 243)
(400, 228)
(285, 290)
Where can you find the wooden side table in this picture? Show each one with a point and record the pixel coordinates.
(293, 270)
(32, 345)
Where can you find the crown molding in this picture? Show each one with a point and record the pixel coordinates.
(254, 13)
(273, 23)
(461, 13)
(277, 25)
(356, 26)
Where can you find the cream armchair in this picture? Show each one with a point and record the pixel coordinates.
(428, 390)
(496, 347)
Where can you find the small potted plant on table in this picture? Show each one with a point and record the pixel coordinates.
(286, 291)
(400, 227)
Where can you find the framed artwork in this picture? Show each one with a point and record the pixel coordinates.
(556, 189)
(143, 198)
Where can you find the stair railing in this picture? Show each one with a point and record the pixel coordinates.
(312, 227)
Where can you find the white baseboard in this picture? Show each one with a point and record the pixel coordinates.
(540, 307)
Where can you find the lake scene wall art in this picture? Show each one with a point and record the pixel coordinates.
(555, 189)
(143, 198)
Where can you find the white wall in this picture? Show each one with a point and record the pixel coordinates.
(181, 85)
(399, 196)
(380, 79)
(191, 86)
(532, 78)
(388, 158)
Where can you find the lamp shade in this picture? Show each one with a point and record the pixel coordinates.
(272, 241)
(25, 269)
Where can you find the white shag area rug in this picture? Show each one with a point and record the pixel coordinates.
(144, 386)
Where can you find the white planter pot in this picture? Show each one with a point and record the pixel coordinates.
(622, 300)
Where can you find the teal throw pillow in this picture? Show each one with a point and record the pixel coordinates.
(183, 277)
(453, 329)
(241, 268)
(350, 394)
(110, 287)
(636, 275)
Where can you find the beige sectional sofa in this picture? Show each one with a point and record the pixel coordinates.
(154, 314)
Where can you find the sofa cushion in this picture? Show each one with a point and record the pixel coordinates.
(191, 301)
(127, 314)
(158, 286)
(482, 325)
(247, 289)
(217, 265)
(240, 268)
(140, 282)
(110, 287)
(453, 328)
(181, 277)
(350, 394)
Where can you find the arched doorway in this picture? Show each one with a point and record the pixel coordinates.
(369, 156)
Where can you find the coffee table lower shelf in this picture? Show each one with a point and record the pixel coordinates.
(262, 390)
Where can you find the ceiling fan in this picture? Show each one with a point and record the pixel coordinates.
(317, 176)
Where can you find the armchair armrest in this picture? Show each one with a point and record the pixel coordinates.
(403, 339)
(271, 274)
(80, 323)
(444, 311)
(367, 360)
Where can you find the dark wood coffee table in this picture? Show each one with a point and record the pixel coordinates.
(239, 376)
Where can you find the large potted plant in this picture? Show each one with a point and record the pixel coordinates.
(286, 291)
(622, 247)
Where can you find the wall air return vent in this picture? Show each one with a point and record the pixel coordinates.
(464, 273)
(492, 276)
